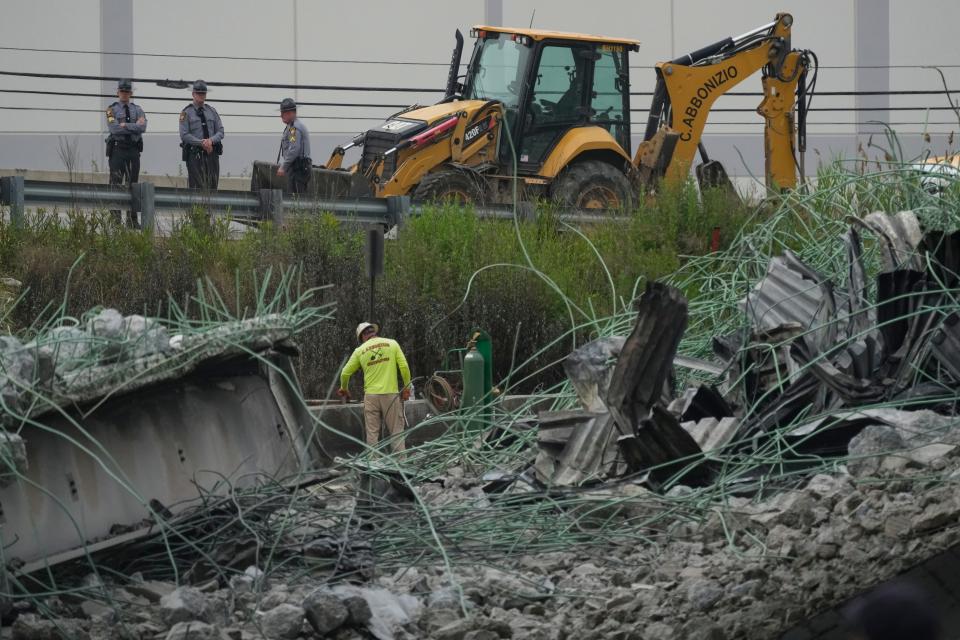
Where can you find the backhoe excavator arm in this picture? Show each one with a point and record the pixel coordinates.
(688, 86)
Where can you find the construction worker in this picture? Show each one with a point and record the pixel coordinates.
(380, 359)
(126, 123)
(294, 158)
(201, 138)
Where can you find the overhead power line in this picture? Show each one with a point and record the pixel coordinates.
(376, 105)
(260, 85)
(176, 113)
(249, 85)
(224, 100)
(307, 117)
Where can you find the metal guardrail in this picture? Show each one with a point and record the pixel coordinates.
(265, 204)
(147, 199)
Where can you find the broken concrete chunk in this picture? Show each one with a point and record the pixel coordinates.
(184, 604)
(389, 611)
(868, 449)
(69, 346)
(30, 626)
(107, 324)
(97, 611)
(283, 622)
(359, 613)
(13, 457)
(589, 369)
(703, 594)
(937, 516)
(324, 611)
(926, 455)
(152, 590)
(193, 631)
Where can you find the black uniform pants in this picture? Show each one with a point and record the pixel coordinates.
(298, 180)
(124, 169)
(203, 169)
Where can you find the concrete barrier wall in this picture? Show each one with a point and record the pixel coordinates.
(167, 443)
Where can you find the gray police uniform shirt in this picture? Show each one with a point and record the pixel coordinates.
(191, 127)
(131, 131)
(295, 143)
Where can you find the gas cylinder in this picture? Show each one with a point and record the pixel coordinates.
(473, 376)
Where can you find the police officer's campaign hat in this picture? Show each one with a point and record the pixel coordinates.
(199, 86)
(124, 84)
(288, 105)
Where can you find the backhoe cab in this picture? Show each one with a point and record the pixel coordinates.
(553, 109)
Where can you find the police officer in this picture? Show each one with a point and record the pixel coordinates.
(294, 149)
(127, 123)
(201, 138)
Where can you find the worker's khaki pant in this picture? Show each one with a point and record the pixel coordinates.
(380, 409)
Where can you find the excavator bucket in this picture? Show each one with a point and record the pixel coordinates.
(712, 175)
(325, 184)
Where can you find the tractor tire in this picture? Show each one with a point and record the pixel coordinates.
(593, 184)
(450, 185)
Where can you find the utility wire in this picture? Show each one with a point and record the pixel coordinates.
(186, 99)
(261, 115)
(306, 117)
(255, 85)
(176, 113)
(260, 85)
(372, 105)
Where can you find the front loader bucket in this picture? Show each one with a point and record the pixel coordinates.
(325, 184)
(653, 156)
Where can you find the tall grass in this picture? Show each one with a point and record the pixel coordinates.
(447, 273)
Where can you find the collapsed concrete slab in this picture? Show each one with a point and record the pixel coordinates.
(122, 420)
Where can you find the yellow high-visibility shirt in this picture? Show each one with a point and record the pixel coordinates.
(379, 358)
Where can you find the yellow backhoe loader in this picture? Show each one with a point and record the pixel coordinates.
(553, 109)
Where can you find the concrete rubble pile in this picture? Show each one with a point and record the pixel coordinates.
(813, 357)
(749, 569)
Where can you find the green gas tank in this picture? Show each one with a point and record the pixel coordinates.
(474, 377)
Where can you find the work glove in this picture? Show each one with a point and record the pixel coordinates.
(405, 394)
(344, 394)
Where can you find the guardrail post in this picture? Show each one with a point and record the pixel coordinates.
(398, 207)
(142, 195)
(12, 195)
(271, 205)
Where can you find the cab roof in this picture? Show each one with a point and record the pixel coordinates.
(540, 34)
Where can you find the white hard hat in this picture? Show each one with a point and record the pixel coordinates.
(365, 325)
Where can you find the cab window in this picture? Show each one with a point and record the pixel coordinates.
(558, 87)
(610, 87)
(499, 67)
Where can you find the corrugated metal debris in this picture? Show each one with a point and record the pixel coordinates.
(811, 348)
